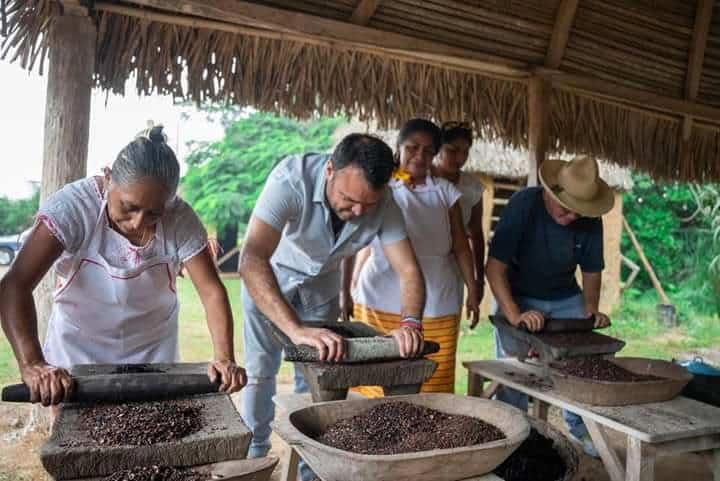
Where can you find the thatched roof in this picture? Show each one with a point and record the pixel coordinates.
(636, 82)
(493, 158)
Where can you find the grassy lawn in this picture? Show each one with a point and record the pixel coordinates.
(635, 323)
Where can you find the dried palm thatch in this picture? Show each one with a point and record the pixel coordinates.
(212, 61)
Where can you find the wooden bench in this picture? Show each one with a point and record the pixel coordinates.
(678, 426)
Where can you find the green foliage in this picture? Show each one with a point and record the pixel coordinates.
(677, 239)
(17, 215)
(226, 177)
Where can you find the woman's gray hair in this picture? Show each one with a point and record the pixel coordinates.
(148, 155)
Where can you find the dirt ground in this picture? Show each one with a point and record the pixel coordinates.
(19, 460)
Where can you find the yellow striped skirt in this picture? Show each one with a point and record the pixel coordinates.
(443, 330)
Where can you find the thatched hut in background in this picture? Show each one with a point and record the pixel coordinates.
(503, 170)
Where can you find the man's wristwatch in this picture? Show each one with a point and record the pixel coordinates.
(411, 321)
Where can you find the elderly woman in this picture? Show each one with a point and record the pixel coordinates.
(433, 218)
(116, 244)
(457, 138)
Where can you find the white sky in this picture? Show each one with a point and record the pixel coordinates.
(112, 126)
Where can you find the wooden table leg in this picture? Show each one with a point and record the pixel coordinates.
(540, 409)
(475, 384)
(640, 461)
(290, 468)
(609, 457)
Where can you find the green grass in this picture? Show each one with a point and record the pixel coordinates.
(634, 322)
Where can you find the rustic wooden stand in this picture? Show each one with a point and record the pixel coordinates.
(678, 426)
(291, 402)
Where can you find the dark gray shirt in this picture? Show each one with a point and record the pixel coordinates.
(307, 259)
(542, 255)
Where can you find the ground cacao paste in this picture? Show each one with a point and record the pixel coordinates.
(535, 460)
(400, 427)
(599, 369)
(142, 424)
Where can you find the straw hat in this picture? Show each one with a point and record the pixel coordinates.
(577, 186)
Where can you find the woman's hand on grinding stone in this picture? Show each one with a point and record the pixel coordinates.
(231, 376)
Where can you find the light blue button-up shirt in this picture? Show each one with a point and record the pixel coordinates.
(307, 259)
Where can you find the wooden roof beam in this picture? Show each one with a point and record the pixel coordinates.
(561, 33)
(364, 10)
(269, 21)
(696, 57)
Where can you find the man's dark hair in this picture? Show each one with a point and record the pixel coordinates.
(368, 153)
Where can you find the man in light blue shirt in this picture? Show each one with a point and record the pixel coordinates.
(314, 212)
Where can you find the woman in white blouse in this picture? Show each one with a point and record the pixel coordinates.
(116, 244)
(457, 138)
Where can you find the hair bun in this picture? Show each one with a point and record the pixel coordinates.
(156, 135)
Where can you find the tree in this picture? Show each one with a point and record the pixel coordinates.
(673, 223)
(225, 178)
(17, 215)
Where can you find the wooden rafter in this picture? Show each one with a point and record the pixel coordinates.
(561, 33)
(364, 10)
(696, 57)
(269, 21)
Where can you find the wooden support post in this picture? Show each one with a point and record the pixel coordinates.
(538, 117)
(640, 461)
(610, 459)
(540, 409)
(716, 464)
(475, 384)
(67, 123)
(290, 468)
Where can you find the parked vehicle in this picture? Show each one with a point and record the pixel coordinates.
(9, 246)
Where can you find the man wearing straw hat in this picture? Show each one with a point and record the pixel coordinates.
(543, 235)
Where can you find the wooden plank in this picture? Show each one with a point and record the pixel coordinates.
(640, 461)
(613, 465)
(561, 33)
(702, 443)
(539, 91)
(364, 11)
(680, 418)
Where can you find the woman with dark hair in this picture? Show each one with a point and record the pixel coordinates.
(457, 138)
(116, 244)
(433, 219)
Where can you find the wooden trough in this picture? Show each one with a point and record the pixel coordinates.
(606, 393)
(299, 427)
